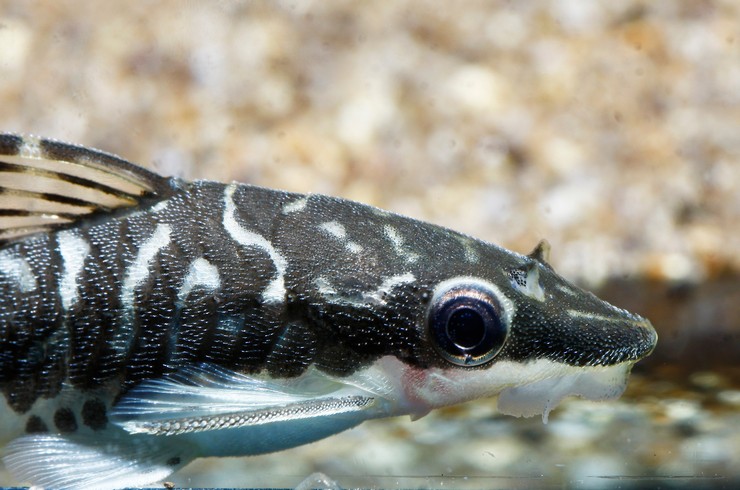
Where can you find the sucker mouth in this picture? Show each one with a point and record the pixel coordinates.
(596, 383)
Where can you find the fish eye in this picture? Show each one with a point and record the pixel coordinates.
(466, 322)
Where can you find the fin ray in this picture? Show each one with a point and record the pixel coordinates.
(95, 461)
(294, 411)
(21, 194)
(208, 397)
(64, 183)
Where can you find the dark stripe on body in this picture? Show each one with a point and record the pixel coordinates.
(97, 323)
(33, 348)
(64, 420)
(34, 425)
(10, 144)
(231, 327)
(94, 414)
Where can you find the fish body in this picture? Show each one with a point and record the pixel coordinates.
(147, 321)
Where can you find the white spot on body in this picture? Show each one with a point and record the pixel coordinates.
(366, 299)
(138, 271)
(337, 230)
(354, 247)
(17, 269)
(325, 288)
(73, 250)
(471, 254)
(397, 242)
(566, 290)
(295, 206)
(595, 316)
(160, 206)
(380, 212)
(275, 291)
(391, 283)
(201, 273)
(30, 147)
(392, 235)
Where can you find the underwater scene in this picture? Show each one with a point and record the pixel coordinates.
(610, 130)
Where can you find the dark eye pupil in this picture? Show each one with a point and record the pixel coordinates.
(466, 328)
(467, 324)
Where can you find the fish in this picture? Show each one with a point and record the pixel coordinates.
(146, 321)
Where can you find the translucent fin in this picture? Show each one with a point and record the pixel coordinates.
(46, 184)
(207, 398)
(93, 462)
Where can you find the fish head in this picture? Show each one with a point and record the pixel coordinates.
(450, 318)
(515, 328)
(521, 331)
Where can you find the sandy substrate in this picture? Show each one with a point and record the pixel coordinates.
(609, 128)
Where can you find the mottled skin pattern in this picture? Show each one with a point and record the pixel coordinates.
(233, 326)
(124, 289)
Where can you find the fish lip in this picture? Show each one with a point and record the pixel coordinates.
(596, 383)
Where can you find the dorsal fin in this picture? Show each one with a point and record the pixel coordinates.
(541, 252)
(46, 184)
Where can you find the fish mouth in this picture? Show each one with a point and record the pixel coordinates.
(595, 367)
(597, 383)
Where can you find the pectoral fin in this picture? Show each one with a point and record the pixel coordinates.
(211, 398)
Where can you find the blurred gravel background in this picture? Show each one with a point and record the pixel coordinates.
(610, 128)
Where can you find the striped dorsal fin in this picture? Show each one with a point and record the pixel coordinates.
(47, 184)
